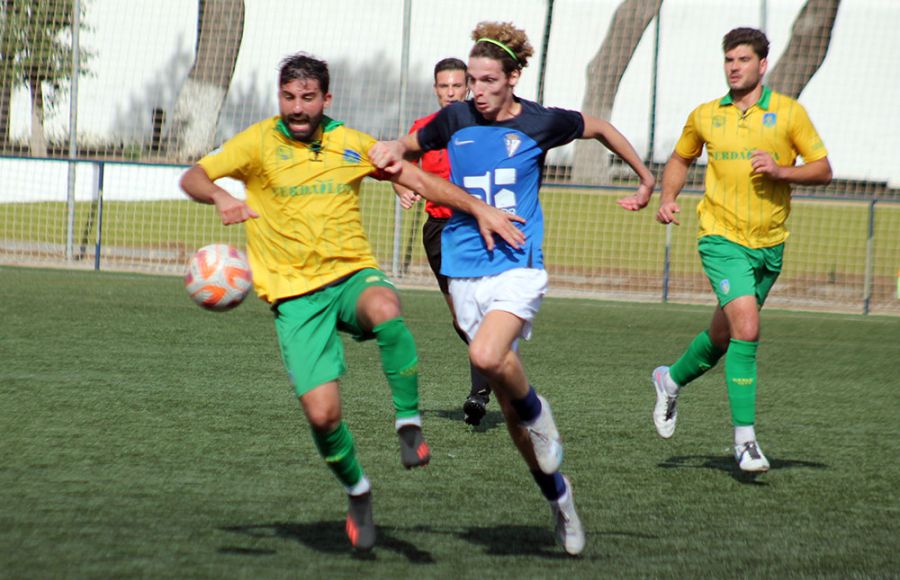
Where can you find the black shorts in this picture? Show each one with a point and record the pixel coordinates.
(431, 239)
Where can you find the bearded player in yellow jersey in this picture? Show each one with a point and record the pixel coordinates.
(752, 136)
(312, 262)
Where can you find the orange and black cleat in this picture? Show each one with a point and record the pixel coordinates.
(414, 452)
(360, 526)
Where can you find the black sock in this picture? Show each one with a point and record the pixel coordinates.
(480, 384)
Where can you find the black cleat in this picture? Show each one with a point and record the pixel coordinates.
(360, 526)
(475, 407)
(414, 451)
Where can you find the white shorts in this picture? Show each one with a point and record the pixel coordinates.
(519, 291)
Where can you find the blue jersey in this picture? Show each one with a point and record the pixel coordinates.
(502, 164)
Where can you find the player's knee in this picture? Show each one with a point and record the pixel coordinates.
(746, 333)
(746, 329)
(324, 419)
(379, 306)
(486, 360)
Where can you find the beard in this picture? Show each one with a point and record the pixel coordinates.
(303, 134)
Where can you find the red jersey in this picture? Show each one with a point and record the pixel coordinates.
(435, 162)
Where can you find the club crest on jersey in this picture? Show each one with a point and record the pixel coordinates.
(512, 142)
(725, 286)
(284, 153)
(718, 121)
(769, 120)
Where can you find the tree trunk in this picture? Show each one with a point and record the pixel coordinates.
(604, 73)
(7, 75)
(810, 39)
(38, 141)
(192, 131)
(5, 108)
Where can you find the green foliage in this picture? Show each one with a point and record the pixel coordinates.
(36, 44)
(145, 437)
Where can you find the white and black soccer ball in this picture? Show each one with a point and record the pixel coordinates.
(218, 277)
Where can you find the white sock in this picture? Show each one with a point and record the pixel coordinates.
(415, 420)
(670, 385)
(744, 434)
(564, 496)
(362, 486)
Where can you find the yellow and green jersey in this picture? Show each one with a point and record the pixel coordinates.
(309, 232)
(748, 209)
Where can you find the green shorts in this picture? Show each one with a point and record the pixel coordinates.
(734, 270)
(308, 325)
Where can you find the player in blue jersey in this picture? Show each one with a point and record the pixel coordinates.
(497, 143)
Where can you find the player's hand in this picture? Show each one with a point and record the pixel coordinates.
(408, 199)
(233, 211)
(666, 213)
(387, 156)
(638, 200)
(763, 164)
(492, 221)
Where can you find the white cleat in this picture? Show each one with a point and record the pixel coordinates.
(665, 412)
(750, 457)
(545, 440)
(569, 532)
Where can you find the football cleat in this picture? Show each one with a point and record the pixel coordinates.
(360, 527)
(569, 532)
(545, 439)
(665, 412)
(414, 451)
(750, 457)
(475, 406)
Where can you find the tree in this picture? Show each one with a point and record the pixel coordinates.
(192, 130)
(7, 73)
(604, 73)
(810, 39)
(35, 50)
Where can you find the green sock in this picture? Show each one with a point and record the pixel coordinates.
(700, 356)
(740, 375)
(339, 452)
(401, 365)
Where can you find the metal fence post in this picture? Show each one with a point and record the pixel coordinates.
(401, 129)
(667, 264)
(73, 131)
(870, 258)
(98, 196)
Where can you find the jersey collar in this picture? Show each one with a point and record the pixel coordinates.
(327, 124)
(762, 103)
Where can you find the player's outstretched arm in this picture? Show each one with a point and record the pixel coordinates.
(491, 221)
(613, 140)
(408, 198)
(673, 180)
(199, 187)
(388, 155)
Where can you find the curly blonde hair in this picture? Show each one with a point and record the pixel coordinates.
(487, 34)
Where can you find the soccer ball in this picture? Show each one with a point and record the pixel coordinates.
(218, 277)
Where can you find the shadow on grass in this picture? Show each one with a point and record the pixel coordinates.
(727, 464)
(514, 541)
(329, 538)
(529, 541)
(491, 419)
(326, 537)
